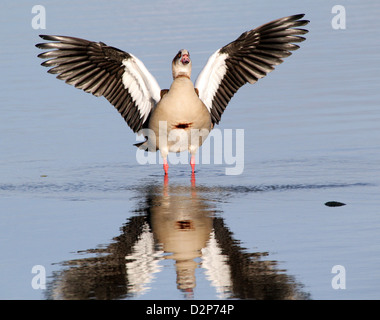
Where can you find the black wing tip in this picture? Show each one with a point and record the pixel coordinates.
(293, 23)
(46, 37)
(298, 17)
(57, 37)
(63, 39)
(295, 17)
(50, 37)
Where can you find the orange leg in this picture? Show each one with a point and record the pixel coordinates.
(192, 163)
(166, 166)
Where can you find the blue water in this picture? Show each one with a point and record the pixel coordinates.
(74, 200)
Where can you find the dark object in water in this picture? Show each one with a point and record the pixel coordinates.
(334, 204)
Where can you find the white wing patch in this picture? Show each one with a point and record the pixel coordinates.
(210, 78)
(141, 85)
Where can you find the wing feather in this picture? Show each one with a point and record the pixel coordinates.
(247, 59)
(103, 71)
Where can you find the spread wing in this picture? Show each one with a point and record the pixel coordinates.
(247, 59)
(104, 71)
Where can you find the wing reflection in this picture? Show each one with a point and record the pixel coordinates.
(179, 225)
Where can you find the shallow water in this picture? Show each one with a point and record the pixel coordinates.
(74, 199)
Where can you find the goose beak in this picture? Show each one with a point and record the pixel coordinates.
(185, 59)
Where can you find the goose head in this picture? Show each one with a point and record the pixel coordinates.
(181, 65)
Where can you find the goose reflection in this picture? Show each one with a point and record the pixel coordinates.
(181, 225)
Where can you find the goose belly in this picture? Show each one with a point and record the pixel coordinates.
(180, 125)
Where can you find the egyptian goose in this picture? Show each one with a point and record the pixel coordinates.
(167, 117)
